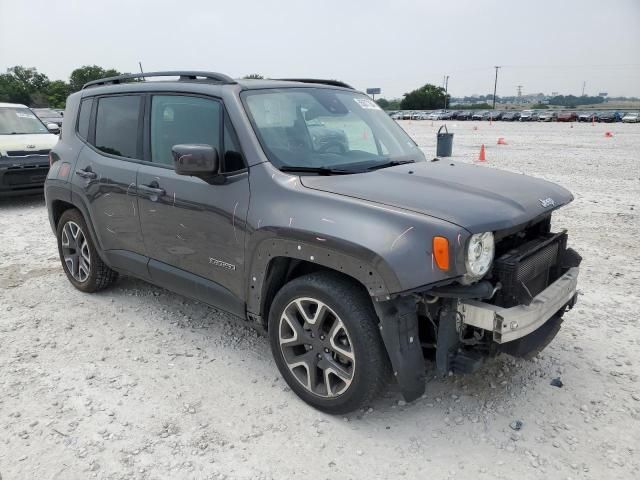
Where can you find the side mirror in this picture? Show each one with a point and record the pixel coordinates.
(196, 160)
(53, 128)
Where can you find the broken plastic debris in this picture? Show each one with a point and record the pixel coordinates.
(516, 425)
(556, 382)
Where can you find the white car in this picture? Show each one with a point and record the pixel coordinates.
(25, 143)
(631, 117)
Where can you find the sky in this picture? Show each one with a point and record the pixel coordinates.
(396, 45)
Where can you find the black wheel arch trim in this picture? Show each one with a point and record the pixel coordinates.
(364, 266)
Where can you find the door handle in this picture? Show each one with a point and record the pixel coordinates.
(86, 174)
(152, 190)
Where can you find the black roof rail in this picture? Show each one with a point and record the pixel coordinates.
(184, 75)
(333, 83)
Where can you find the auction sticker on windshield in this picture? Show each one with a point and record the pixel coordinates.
(367, 103)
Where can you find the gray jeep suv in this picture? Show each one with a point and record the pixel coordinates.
(301, 207)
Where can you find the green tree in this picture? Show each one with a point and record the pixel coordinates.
(57, 93)
(426, 97)
(88, 73)
(386, 104)
(253, 76)
(20, 84)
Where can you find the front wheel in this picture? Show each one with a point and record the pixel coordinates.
(325, 340)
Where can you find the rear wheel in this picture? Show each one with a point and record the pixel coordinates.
(324, 338)
(80, 260)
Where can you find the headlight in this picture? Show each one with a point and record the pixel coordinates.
(480, 254)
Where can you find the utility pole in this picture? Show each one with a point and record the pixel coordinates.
(584, 84)
(141, 71)
(495, 86)
(519, 87)
(446, 88)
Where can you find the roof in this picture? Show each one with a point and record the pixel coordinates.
(19, 105)
(209, 78)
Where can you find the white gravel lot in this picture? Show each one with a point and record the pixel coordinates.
(138, 383)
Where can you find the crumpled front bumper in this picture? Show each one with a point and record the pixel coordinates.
(508, 324)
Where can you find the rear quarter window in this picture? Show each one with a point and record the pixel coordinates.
(84, 115)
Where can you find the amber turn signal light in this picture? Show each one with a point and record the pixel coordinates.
(441, 252)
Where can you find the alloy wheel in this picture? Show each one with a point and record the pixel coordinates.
(316, 347)
(75, 251)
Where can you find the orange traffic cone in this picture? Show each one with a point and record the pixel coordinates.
(481, 157)
(608, 134)
(501, 141)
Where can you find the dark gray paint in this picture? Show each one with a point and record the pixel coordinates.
(376, 227)
(476, 198)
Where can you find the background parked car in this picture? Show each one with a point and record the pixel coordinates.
(547, 117)
(25, 143)
(631, 117)
(511, 116)
(610, 117)
(48, 115)
(567, 117)
(479, 115)
(494, 115)
(464, 115)
(588, 117)
(527, 116)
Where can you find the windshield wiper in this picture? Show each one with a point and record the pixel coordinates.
(318, 170)
(391, 163)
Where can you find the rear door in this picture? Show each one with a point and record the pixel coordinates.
(104, 179)
(193, 231)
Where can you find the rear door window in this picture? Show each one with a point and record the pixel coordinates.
(117, 125)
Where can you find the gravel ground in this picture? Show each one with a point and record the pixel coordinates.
(138, 383)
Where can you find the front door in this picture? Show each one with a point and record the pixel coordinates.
(188, 224)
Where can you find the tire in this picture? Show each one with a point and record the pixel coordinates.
(347, 355)
(80, 260)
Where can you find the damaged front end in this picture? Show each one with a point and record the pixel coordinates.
(516, 308)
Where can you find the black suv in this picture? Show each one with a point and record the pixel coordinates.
(300, 206)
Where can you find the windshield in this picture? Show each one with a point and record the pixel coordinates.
(326, 128)
(19, 120)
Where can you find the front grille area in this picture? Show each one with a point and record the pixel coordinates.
(25, 176)
(26, 153)
(526, 270)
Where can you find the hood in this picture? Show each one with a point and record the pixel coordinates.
(476, 198)
(36, 141)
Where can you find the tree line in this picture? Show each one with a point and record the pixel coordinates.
(427, 97)
(34, 89)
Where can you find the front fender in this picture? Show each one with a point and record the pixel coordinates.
(337, 254)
